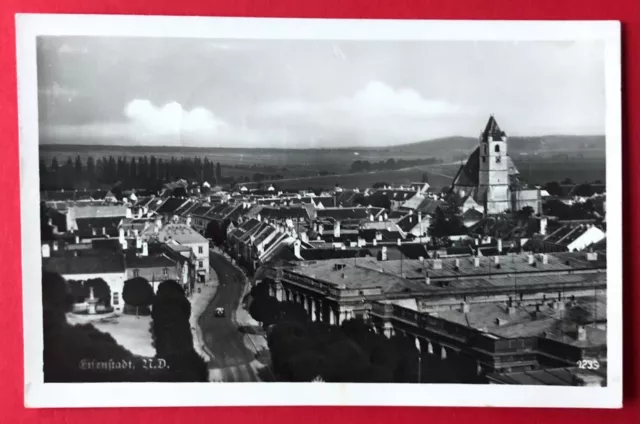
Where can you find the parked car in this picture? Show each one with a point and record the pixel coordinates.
(219, 312)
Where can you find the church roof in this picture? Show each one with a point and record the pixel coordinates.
(492, 130)
(468, 175)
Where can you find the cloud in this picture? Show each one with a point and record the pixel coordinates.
(172, 119)
(376, 100)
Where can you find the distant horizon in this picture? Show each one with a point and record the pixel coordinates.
(361, 147)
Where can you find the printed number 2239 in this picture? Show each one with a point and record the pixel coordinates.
(588, 364)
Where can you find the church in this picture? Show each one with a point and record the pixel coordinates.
(489, 182)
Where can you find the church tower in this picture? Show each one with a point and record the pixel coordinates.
(493, 176)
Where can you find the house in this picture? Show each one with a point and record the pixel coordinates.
(158, 265)
(186, 237)
(105, 265)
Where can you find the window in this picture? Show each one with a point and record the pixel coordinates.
(484, 159)
(498, 160)
(116, 299)
(136, 272)
(165, 271)
(200, 249)
(485, 149)
(200, 264)
(497, 148)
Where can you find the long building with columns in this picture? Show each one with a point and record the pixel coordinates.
(471, 315)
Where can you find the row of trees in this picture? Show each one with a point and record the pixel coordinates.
(554, 188)
(132, 172)
(366, 166)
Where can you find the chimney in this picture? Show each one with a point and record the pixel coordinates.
(386, 217)
(499, 245)
(496, 260)
(125, 245)
(545, 258)
(419, 216)
(531, 259)
(361, 242)
(121, 235)
(138, 242)
(511, 310)
(582, 333)
(55, 245)
(476, 261)
(380, 218)
(296, 248)
(128, 213)
(457, 263)
(384, 253)
(427, 280)
(371, 218)
(465, 308)
(77, 239)
(475, 241)
(336, 229)
(592, 256)
(378, 236)
(320, 228)
(145, 248)
(189, 221)
(375, 242)
(399, 241)
(436, 264)
(543, 226)
(46, 251)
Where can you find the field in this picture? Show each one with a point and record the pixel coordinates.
(324, 168)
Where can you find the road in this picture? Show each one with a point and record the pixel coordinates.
(222, 337)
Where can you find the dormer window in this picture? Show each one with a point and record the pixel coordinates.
(497, 148)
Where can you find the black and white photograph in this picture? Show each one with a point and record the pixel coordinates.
(401, 213)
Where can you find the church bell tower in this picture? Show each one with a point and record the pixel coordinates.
(493, 178)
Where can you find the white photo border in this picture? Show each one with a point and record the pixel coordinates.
(47, 395)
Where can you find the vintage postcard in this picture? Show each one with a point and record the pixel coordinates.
(331, 212)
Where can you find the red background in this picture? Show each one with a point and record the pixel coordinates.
(11, 354)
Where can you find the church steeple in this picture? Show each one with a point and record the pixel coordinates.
(492, 130)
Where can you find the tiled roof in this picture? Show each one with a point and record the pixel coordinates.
(340, 214)
(152, 261)
(86, 226)
(180, 233)
(170, 206)
(90, 264)
(408, 222)
(101, 211)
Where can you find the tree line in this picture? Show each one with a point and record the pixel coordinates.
(146, 172)
(365, 165)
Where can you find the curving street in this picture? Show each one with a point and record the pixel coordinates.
(231, 359)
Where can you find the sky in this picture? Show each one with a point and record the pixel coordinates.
(311, 94)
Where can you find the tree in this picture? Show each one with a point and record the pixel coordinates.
(171, 312)
(425, 177)
(567, 181)
(583, 190)
(218, 173)
(137, 292)
(553, 188)
(101, 290)
(78, 168)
